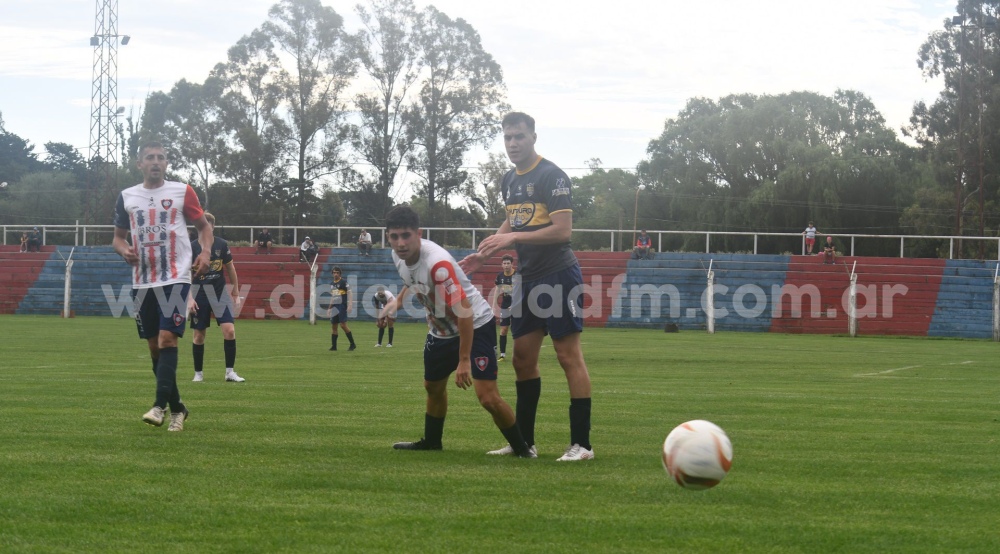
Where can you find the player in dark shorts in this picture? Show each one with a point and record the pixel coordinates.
(538, 226)
(340, 307)
(211, 296)
(505, 286)
(461, 332)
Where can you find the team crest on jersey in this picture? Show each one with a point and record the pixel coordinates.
(529, 189)
(482, 363)
(166, 203)
(520, 216)
(178, 320)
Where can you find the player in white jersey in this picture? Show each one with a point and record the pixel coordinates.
(462, 332)
(385, 314)
(156, 213)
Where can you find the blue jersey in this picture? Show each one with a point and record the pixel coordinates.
(214, 277)
(531, 198)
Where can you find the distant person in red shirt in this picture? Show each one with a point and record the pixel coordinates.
(643, 245)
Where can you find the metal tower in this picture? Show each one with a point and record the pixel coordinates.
(104, 113)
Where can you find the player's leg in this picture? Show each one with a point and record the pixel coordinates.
(229, 351)
(200, 321)
(440, 360)
(504, 326)
(484, 379)
(564, 327)
(347, 331)
(380, 323)
(334, 321)
(390, 324)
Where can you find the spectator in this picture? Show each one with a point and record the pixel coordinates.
(829, 250)
(810, 234)
(264, 241)
(34, 240)
(365, 243)
(308, 251)
(643, 246)
(24, 242)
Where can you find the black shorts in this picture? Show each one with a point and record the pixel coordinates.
(338, 314)
(160, 309)
(441, 355)
(552, 303)
(222, 307)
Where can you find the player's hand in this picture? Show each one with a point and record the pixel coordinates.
(131, 258)
(471, 263)
(238, 301)
(201, 263)
(494, 243)
(463, 375)
(191, 306)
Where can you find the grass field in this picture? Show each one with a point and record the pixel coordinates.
(841, 445)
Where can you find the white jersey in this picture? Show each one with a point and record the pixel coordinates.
(158, 220)
(438, 283)
(810, 232)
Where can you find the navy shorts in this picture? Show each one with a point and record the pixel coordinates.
(160, 309)
(223, 309)
(552, 303)
(338, 314)
(441, 355)
(505, 317)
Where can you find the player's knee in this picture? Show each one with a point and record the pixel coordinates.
(490, 400)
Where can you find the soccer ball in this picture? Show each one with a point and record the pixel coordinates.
(697, 454)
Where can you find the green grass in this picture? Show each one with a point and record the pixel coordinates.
(841, 445)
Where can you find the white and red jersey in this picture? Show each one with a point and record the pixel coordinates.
(158, 220)
(438, 283)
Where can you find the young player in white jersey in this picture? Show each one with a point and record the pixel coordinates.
(385, 314)
(462, 332)
(156, 212)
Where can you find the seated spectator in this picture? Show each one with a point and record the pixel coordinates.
(643, 246)
(24, 242)
(263, 241)
(365, 243)
(829, 251)
(308, 251)
(35, 241)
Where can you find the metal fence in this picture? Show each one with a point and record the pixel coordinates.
(614, 240)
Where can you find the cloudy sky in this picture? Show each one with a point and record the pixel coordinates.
(601, 78)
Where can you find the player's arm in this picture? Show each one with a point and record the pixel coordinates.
(471, 263)
(466, 330)
(234, 280)
(123, 248)
(559, 232)
(205, 239)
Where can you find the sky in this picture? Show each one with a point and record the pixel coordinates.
(600, 78)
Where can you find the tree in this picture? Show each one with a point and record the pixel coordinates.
(317, 65)
(187, 119)
(459, 105)
(483, 191)
(955, 130)
(62, 157)
(17, 156)
(388, 55)
(42, 197)
(249, 109)
(763, 163)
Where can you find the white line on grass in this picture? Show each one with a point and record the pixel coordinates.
(907, 367)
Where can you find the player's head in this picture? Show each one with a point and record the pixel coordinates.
(519, 138)
(264, 230)
(643, 231)
(336, 272)
(210, 218)
(402, 226)
(380, 293)
(153, 162)
(507, 262)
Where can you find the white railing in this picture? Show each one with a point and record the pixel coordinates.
(618, 239)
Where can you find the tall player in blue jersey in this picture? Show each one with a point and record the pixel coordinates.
(539, 224)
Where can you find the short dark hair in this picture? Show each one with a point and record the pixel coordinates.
(150, 144)
(507, 257)
(513, 118)
(336, 269)
(402, 217)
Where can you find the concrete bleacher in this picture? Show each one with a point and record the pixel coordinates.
(790, 294)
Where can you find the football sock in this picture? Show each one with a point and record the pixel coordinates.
(333, 341)
(528, 393)
(433, 429)
(155, 362)
(579, 422)
(350, 338)
(391, 329)
(381, 333)
(516, 439)
(503, 344)
(229, 347)
(198, 350)
(166, 379)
